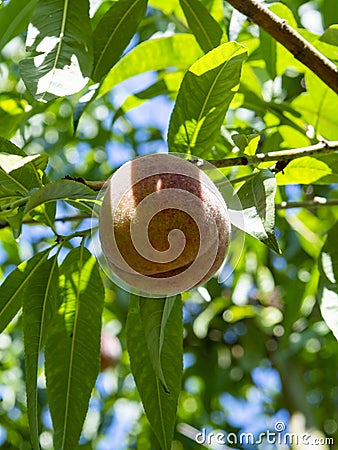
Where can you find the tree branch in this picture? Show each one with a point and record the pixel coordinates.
(300, 48)
(321, 148)
(313, 203)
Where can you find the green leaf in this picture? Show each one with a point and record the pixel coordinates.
(14, 18)
(205, 28)
(318, 107)
(12, 289)
(79, 194)
(247, 143)
(257, 218)
(179, 50)
(160, 404)
(59, 36)
(113, 33)
(268, 47)
(328, 281)
(166, 85)
(73, 346)
(155, 317)
(39, 306)
(310, 170)
(204, 98)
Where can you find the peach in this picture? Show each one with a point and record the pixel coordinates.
(163, 226)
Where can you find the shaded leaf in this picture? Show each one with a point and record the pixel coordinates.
(69, 190)
(73, 346)
(113, 33)
(14, 18)
(328, 281)
(160, 405)
(257, 218)
(207, 31)
(203, 99)
(179, 50)
(155, 316)
(318, 107)
(12, 289)
(59, 36)
(39, 306)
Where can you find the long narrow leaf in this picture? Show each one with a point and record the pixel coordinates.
(207, 31)
(328, 281)
(113, 33)
(155, 316)
(61, 190)
(12, 289)
(179, 50)
(39, 306)
(60, 38)
(204, 98)
(159, 403)
(73, 346)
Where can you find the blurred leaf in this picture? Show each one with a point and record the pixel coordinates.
(257, 218)
(328, 281)
(78, 193)
(155, 317)
(39, 306)
(73, 346)
(12, 292)
(318, 107)
(160, 406)
(204, 27)
(113, 33)
(330, 35)
(330, 12)
(268, 48)
(179, 50)
(14, 18)
(59, 36)
(203, 99)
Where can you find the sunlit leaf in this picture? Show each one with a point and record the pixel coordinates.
(12, 289)
(310, 170)
(39, 306)
(257, 217)
(247, 143)
(73, 346)
(159, 403)
(113, 33)
(179, 50)
(59, 36)
(203, 99)
(78, 193)
(328, 281)
(205, 28)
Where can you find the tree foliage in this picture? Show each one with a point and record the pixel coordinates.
(86, 86)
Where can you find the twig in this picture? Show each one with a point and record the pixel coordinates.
(300, 48)
(322, 148)
(314, 203)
